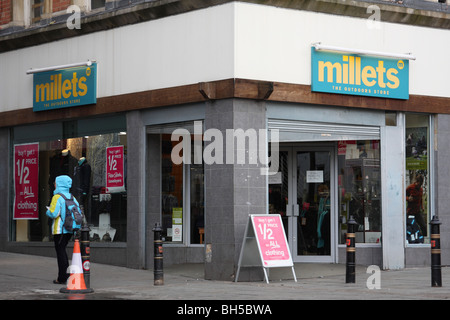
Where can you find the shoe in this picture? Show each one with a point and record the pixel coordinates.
(57, 282)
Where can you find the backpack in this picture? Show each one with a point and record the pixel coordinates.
(72, 214)
(413, 232)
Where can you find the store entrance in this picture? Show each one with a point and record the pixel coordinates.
(303, 193)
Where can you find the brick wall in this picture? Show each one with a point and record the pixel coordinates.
(5, 11)
(60, 5)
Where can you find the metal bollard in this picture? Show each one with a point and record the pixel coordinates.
(158, 271)
(436, 276)
(86, 254)
(351, 251)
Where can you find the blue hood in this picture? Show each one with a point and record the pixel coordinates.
(63, 185)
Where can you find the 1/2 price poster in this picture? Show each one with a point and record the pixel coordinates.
(26, 181)
(272, 242)
(115, 177)
(265, 245)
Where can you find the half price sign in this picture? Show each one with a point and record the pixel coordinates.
(272, 240)
(115, 177)
(265, 234)
(26, 181)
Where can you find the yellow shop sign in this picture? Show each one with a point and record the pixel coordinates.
(65, 88)
(359, 75)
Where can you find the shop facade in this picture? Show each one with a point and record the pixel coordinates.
(181, 132)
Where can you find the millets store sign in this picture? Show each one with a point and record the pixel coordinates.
(65, 88)
(353, 74)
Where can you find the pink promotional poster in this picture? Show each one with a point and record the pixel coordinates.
(26, 179)
(115, 177)
(272, 240)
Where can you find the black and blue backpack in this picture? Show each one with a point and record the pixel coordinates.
(73, 214)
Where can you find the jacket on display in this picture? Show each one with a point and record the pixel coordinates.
(81, 178)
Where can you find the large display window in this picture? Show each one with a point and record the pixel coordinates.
(359, 191)
(417, 177)
(182, 197)
(93, 153)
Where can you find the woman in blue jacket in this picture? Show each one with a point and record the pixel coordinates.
(61, 236)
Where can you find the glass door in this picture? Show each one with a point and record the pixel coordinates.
(279, 190)
(303, 193)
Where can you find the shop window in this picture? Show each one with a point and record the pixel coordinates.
(197, 221)
(95, 4)
(182, 197)
(359, 191)
(37, 9)
(77, 149)
(417, 178)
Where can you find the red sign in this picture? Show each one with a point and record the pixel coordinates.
(115, 178)
(272, 240)
(342, 146)
(26, 181)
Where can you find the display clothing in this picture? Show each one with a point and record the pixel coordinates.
(81, 178)
(414, 193)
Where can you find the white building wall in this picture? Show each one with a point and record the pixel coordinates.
(234, 40)
(173, 51)
(274, 44)
(393, 188)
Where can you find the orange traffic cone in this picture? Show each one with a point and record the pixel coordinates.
(75, 283)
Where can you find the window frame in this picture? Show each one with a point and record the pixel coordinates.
(33, 7)
(52, 131)
(186, 197)
(430, 176)
(373, 166)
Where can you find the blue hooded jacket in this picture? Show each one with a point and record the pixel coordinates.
(57, 209)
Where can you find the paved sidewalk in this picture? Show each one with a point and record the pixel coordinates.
(28, 277)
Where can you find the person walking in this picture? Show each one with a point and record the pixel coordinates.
(61, 236)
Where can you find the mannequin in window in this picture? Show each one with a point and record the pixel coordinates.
(62, 163)
(323, 220)
(414, 193)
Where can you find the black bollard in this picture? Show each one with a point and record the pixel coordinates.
(86, 254)
(436, 276)
(158, 271)
(351, 251)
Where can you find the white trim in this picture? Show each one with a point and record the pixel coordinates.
(64, 66)
(320, 47)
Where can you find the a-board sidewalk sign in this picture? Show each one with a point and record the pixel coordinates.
(265, 244)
